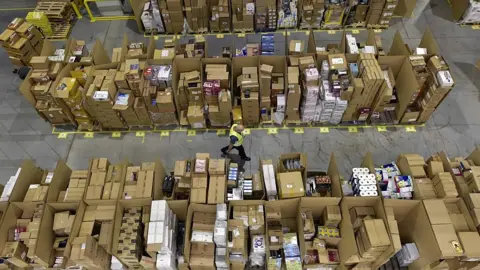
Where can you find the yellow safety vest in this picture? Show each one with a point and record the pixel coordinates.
(239, 136)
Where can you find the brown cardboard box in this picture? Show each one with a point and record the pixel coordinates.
(437, 212)
(216, 166)
(357, 214)
(94, 192)
(15, 253)
(434, 167)
(290, 185)
(332, 216)
(217, 188)
(337, 61)
(469, 242)
(296, 47)
(447, 240)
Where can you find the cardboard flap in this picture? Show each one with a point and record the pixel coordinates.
(367, 162)
(311, 43)
(48, 48)
(99, 54)
(405, 8)
(335, 177)
(398, 46)
(395, 62)
(429, 42)
(458, 8)
(124, 48)
(475, 156)
(60, 180)
(406, 84)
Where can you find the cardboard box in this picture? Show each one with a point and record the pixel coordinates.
(290, 185)
(447, 240)
(469, 242)
(216, 166)
(15, 253)
(332, 216)
(296, 47)
(217, 188)
(437, 212)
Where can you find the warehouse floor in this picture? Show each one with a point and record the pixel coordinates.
(455, 127)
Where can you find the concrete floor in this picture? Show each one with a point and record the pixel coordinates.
(454, 128)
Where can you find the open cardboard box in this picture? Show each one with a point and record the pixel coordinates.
(349, 254)
(289, 211)
(46, 236)
(59, 182)
(317, 206)
(459, 180)
(414, 227)
(192, 208)
(79, 216)
(117, 221)
(233, 204)
(181, 65)
(369, 41)
(14, 212)
(29, 174)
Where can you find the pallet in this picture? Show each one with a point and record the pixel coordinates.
(166, 127)
(296, 123)
(60, 31)
(243, 30)
(377, 26)
(356, 25)
(64, 127)
(53, 10)
(141, 127)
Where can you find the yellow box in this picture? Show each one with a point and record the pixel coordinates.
(67, 87)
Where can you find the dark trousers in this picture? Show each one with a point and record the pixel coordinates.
(241, 151)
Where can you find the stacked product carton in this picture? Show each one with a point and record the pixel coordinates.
(22, 41)
(387, 12)
(217, 182)
(198, 191)
(375, 11)
(100, 99)
(312, 14)
(162, 234)
(310, 81)
(76, 187)
(190, 85)
(265, 88)
(470, 14)
(172, 14)
(243, 12)
(219, 16)
(97, 180)
(202, 247)
(139, 181)
(438, 86)
(70, 91)
(249, 89)
(130, 240)
(20, 248)
(220, 237)
(287, 14)
(294, 94)
(151, 18)
(216, 80)
(196, 12)
(265, 15)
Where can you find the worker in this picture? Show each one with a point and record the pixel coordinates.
(236, 141)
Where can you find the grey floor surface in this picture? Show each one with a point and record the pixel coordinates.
(454, 128)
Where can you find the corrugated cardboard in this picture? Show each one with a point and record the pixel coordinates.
(290, 185)
(437, 212)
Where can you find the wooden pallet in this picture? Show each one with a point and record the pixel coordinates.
(296, 123)
(141, 127)
(60, 31)
(243, 30)
(377, 26)
(53, 10)
(356, 25)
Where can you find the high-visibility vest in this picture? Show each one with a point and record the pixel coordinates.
(237, 135)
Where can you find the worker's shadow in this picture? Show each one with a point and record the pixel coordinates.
(236, 159)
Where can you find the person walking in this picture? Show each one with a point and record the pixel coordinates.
(236, 142)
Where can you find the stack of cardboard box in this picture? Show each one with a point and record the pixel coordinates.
(438, 86)
(238, 245)
(194, 48)
(62, 228)
(71, 92)
(124, 102)
(265, 15)
(219, 16)
(97, 179)
(87, 252)
(444, 185)
(183, 176)
(387, 12)
(190, 84)
(130, 241)
(372, 239)
(472, 201)
(196, 12)
(440, 214)
(312, 14)
(172, 14)
(165, 108)
(202, 248)
(36, 193)
(139, 181)
(97, 220)
(310, 82)
(20, 248)
(334, 13)
(198, 191)
(76, 187)
(100, 99)
(265, 89)
(162, 234)
(287, 14)
(217, 79)
(242, 15)
(375, 11)
(22, 41)
(249, 87)
(217, 182)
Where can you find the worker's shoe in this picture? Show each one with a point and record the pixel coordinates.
(246, 158)
(224, 152)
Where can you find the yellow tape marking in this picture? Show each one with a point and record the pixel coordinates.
(355, 32)
(272, 131)
(410, 129)
(246, 131)
(88, 135)
(221, 132)
(219, 35)
(192, 133)
(164, 133)
(324, 130)
(352, 129)
(381, 129)
(62, 135)
(116, 134)
(298, 130)
(331, 32)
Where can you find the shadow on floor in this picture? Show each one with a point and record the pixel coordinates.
(442, 9)
(471, 72)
